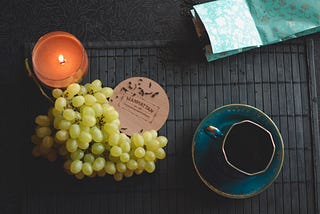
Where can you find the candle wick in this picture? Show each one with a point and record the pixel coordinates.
(61, 59)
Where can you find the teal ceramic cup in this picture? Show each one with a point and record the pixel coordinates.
(237, 151)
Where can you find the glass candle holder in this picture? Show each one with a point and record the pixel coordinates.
(59, 59)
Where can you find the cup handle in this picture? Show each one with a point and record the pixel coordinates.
(213, 132)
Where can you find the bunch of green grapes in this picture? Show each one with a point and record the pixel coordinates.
(45, 144)
(84, 129)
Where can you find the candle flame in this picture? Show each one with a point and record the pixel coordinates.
(61, 59)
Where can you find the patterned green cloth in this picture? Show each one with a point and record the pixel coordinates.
(235, 26)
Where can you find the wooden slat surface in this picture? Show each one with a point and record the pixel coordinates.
(278, 79)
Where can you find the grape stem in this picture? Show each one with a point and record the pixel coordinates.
(31, 74)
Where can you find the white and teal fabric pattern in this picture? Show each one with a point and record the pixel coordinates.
(235, 26)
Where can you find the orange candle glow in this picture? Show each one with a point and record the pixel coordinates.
(59, 59)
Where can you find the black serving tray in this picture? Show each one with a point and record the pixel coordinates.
(278, 79)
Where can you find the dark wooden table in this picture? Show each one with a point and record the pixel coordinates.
(281, 79)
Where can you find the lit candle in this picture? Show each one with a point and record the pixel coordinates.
(59, 59)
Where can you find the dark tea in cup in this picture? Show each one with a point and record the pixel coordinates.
(248, 147)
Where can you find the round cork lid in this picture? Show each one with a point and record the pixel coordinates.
(142, 105)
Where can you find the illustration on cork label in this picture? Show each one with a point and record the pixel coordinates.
(141, 102)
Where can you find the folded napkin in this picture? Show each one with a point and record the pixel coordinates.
(232, 26)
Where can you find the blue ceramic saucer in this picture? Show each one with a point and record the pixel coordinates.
(203, 152)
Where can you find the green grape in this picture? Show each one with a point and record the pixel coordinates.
(87, 169)
(88, 111)
(67, 164)
(62, 135)
(43, 150)
(110, 115)
(82, 91)
(108, 92)
(77, 155)
(100, 97)
(116, 151)
(60, 103)
(78, 101)
(101, 173)
(52, 156)
(94, 174)
(162, 140)
(47, 141)
(128, 173)
(89, 99)
(57, 92)
(118, 176)
(97, 109)
(150, 166)
(78, 116)
(124, 157)
(147, 136)
(74, 131)
(55, 112)
(153, 145)
(85, 137)
(62, 151)
(110, 167)
(35, 139)
(84, 128)
(79, 175)
(72, 89)
(58, 142)
(36, 151)
(131, 153)
(113, 139)
(96, 85)
(43, 131)
(56, 122)
(88, 120)
(96, 134)
(121, 167)
(87, 86)
(71, 145)
(89, 158)
(154, 133)
(98, 164)
(42, 120)
(107, 107)
(139, 152)
(141, 163)
(110, 128)
(137, 139)
(107, 146)
(132, 164)
(96, 82)
(83, 145)
(97, 148)
(116, 122)
(149, 156)
(138, 171)
(160, 153)
(113, 159)
(124, 138)
(64, 124)
(76, 166)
